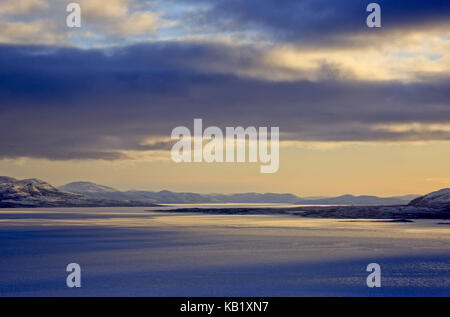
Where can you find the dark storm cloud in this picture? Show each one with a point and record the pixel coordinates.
(87, 104)
(317, 21)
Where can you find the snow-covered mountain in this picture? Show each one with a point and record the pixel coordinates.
(87, 187)
(33, 193)
(439, 200)
(37, 193)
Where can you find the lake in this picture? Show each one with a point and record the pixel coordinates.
(142, 252)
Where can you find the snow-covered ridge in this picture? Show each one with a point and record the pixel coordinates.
(87, 187)
(11, 188)
(37, 193)
(437, 199)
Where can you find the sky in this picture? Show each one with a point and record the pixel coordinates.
(360, 110)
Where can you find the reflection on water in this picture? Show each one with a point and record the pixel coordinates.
(140, 252)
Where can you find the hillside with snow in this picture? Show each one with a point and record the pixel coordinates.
(87, 187)
(439, 200)
(37, 193)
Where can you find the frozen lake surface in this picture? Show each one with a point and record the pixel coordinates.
(139, 252)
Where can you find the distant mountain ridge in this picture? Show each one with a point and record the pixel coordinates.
(363, 200)
(169, 197)
(37, 193)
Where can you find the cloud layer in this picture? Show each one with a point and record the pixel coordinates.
(137, 69)
(64, 103)
(103, 23)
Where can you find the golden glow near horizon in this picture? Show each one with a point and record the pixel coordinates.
(306, 169)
